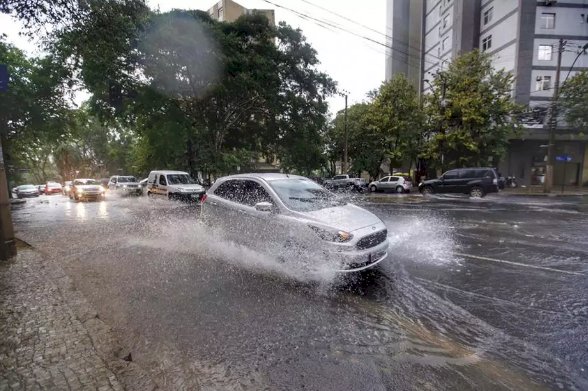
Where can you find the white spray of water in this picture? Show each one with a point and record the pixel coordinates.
(192, 237)
(428, 240)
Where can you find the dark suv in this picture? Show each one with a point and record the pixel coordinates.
(477, 182)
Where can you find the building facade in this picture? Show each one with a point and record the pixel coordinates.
(522, 37)
(229, 11)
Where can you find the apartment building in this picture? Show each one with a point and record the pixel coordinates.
(229, 11)
(522, 37)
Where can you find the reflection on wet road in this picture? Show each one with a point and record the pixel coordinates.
(487, 294)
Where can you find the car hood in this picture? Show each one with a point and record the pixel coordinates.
(348, 217)
(188, 187)
(89, 187)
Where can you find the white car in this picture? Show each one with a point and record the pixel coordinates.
(174, 185)
(125, 184)
(396, 183)
(293, 215)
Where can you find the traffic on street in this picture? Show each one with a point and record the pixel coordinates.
(473, 294)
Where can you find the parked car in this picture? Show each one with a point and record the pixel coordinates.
(345, 182)
(86, 189)
(26, 191)
(125, 184)
(396, 183)
(477, 182)
(174, 185)
(53, 188)
(66, 188)
(290, 214)
(41, 189)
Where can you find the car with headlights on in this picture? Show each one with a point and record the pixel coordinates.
(86, 189)
(26, 191)
(295, 218)
(125, 185)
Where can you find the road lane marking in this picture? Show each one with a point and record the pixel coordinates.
(549, 269)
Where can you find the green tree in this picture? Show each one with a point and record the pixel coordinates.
(574, 100)
(471, 113)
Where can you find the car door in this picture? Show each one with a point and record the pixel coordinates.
(162, 185)
(221, 209)
(449, 182)
(466, 177)
(384, 183)
(393, 182)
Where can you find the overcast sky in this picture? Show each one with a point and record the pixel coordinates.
(355, 63)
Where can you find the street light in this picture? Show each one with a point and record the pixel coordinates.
(345, 167)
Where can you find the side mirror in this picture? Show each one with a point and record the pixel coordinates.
(264, 206)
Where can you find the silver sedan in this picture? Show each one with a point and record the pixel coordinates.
(296, 219)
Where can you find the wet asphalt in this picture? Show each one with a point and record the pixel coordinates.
(487, 294)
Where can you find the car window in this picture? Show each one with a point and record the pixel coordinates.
(180, 179)
(407, 178)
(393, 179)
(453, 174)
(127, 179)
(385, 179)
(230, 190)
(470, 174)
(253, 193)
(340, 177)
(152, 177)
(162, 180)
(303, 195)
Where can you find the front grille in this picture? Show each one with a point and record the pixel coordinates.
(372, 240)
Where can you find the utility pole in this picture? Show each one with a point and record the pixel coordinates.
(345, 150)
(549, 166)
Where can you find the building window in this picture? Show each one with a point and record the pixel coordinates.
(487, 43)
(543, 83)
(545, 52)
(438, 52)
(488, 14)
(440, 31)
(445, 21)
(221, 14)
(547, 20)
(444, 44)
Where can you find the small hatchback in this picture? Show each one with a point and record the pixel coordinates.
(396, 183)
(294, 217)
(477, 182)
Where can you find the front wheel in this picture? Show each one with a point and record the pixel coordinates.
(476, 192)
(399, 189)
(373, 188)
(427, 190)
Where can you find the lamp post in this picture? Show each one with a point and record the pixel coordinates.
(345, 166)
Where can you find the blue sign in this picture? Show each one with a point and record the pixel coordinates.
(3, 78)
(563, 158)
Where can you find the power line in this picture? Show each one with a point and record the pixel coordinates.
(320, 21)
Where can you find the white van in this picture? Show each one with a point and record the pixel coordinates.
(175, 185)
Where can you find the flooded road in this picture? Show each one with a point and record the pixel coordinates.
(475, 295)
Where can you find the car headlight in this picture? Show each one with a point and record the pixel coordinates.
(332, 236)
(80, 191)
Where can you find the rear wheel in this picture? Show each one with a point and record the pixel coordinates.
(476, 192)
(373, 188)
(399, 189)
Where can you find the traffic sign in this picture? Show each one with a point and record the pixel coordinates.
(563, 158)
(3, 78)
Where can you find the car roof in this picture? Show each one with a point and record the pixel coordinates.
(165, 172)
(262, 176)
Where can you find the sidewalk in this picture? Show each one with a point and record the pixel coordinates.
(50, 338)
(556, 192)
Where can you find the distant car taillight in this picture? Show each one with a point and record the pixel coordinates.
(203, 198)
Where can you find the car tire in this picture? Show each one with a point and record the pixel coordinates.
(373, 188)
(476, 192)
(399, 189)
(427, 190)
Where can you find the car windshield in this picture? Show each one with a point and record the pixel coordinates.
(303, 195)
(86, 182)
(179, 179)
(123, 179)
